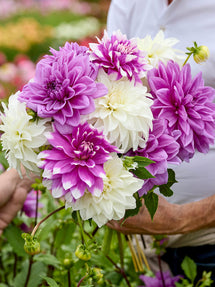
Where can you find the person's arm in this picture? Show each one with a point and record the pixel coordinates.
(13, 192)
(170, 218)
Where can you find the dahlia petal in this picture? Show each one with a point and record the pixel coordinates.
(62, 166)
(69, 180)
(57, 190)
(86, 176)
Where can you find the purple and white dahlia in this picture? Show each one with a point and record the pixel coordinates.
(162, 148)
(119, 55)
(64, 87)
(75, 162)
(187, 105)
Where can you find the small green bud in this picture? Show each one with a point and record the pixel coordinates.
(33, 114)
(97, 275)
(67, 262)
(129, 163)
(31, 246)
(201, 55)
(82, 253)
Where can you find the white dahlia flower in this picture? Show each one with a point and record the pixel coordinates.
(160, 49)
(124, 114)
(21, 137)
(117, 195)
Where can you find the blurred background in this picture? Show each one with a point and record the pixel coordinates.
(28, 28)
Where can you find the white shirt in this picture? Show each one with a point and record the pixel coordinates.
(188, 21)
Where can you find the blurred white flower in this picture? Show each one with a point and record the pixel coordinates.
(77, 30)
(124, 114)
(21, 138)
(160, 49)
(117, 196)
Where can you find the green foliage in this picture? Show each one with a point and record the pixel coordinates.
(151, 202)
(132, 212)
(13, 235)
(190, 270)
(50, 281)
(140, 171)
(38, 269)
(165, 188)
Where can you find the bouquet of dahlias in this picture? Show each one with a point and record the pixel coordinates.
(101, 124)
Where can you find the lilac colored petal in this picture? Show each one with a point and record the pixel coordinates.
(186, 104)
(157, 281)
(162, 148)
(64, 86)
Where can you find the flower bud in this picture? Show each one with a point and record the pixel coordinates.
(128, 163)
(31, 246)
(68, 262)
(97, 275)
(201, 55)
(82, 253)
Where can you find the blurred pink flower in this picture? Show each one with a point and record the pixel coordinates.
(29, 207)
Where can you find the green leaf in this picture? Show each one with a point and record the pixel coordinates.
(14, 237)
(48, 259)
(132, 212)
(142, 173)
(38, 270)
(151, 202)
(64, 234)
(3, 160)
(171, 177)
(178, 284)
(114, 278)
(101, 260)
(142, 160)
(45, 229)
(107, 240)
(189, 268)
(165, 190)
(50, 281)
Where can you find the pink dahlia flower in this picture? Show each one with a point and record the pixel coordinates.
(157, 280)
(162, 148)
(187, 105)
(64, 87)
(119, 55)
(75, 162)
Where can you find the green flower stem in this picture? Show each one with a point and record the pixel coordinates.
(82, 279)
(15, 265)
(69, 278)
(188, 57)
(81, 227)
(37, 203)
(161, 271)
(45, 218)
(29, 271)
(107, 240)
(121, 270)
(121, 250)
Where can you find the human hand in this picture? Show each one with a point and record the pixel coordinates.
(13, 192)
(166, 220)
